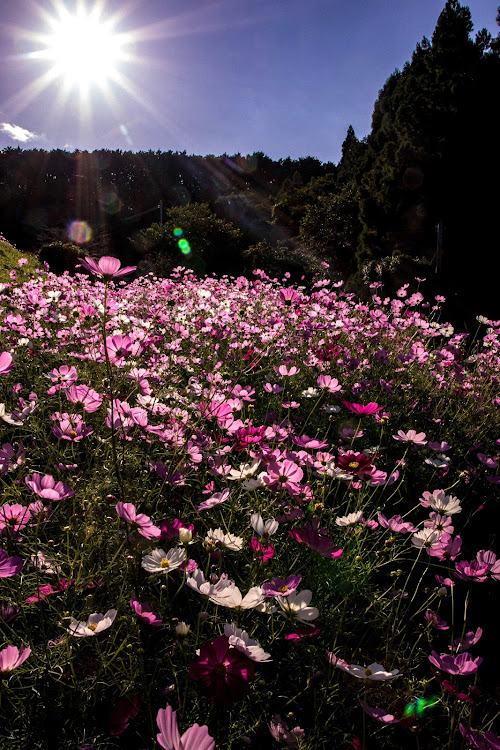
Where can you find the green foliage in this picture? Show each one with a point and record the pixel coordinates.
(213, 243)
(9, 257)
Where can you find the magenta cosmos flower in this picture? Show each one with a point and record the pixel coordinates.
(194, 738)
(222, 672)
(9, 566)
(323, 545)
(370, 408)
(282, 587)
(106, 268)
(13, 518)
(12, 657)
(282, 475)
(145, 613)
(461, 664)
(6, 363)
(48, 488)
(355, 463)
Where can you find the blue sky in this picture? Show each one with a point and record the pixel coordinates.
(285, 77)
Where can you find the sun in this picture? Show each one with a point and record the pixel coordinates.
(83, 48)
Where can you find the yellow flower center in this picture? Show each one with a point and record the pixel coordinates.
(92, 627)
(72, 434)
(164, 563)
(354, 465)
(368, 672)
(283, 589)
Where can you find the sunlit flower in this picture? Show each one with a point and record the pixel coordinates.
(106, 268)
(48, 488)
(9, 566)
(217, 538)
(417, 438)
(145, 613)
(459, 665)
(140, 521)
(164, 562)
(297, 606)
(375, 672)
(440, 502)
(6, 363)
(95, 624)
(12, 657)
(242, 641)
(194, 738)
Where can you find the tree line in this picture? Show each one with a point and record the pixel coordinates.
(417, 197)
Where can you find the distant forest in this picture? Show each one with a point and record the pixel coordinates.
(418, 197)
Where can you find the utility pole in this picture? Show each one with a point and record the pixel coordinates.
(161, 212)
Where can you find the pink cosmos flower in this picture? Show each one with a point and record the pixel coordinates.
(470, 639)
(73, 428)
(323, 545)
(9, 566)
(447, 548)
(417, 438)
(263, 552)
(216, 499)
(330, 384)
(435, 621)
(282, 734)
(396, 524)
(61, 378)
(222, 672)
(378, 713)
(288, 295)
(48, 488)
(13, 518)
(119, 347)
(10, 459)
(85, 396)
(141, 522)
(106, 268)
(145, 613)
(285, 371)
(12, 657)
(6, 364)
(282, 475)
(305, 632)
(282, 587)
(487, 557)
(471, 571)
(460, 665)
(478, 741)
(370, 408)
(47, 590)
(194, 738)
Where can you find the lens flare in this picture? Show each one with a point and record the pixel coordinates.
(79, 232)
(185, 247)
(178, 232)
(420, 705)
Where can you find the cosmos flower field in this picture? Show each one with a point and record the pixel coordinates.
(238, 513)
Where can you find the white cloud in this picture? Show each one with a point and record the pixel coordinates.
(17, 133)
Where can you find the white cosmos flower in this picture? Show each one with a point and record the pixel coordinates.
(218, 538)
(445, 504)
(232, 597)
(297, 605)
(372, 672)
(163, 562)
(95, 624)
(349, 520)
(310, 393)
(257, 523)
(197, 582)
(245, 470)
(242, 641)
(426, 538)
